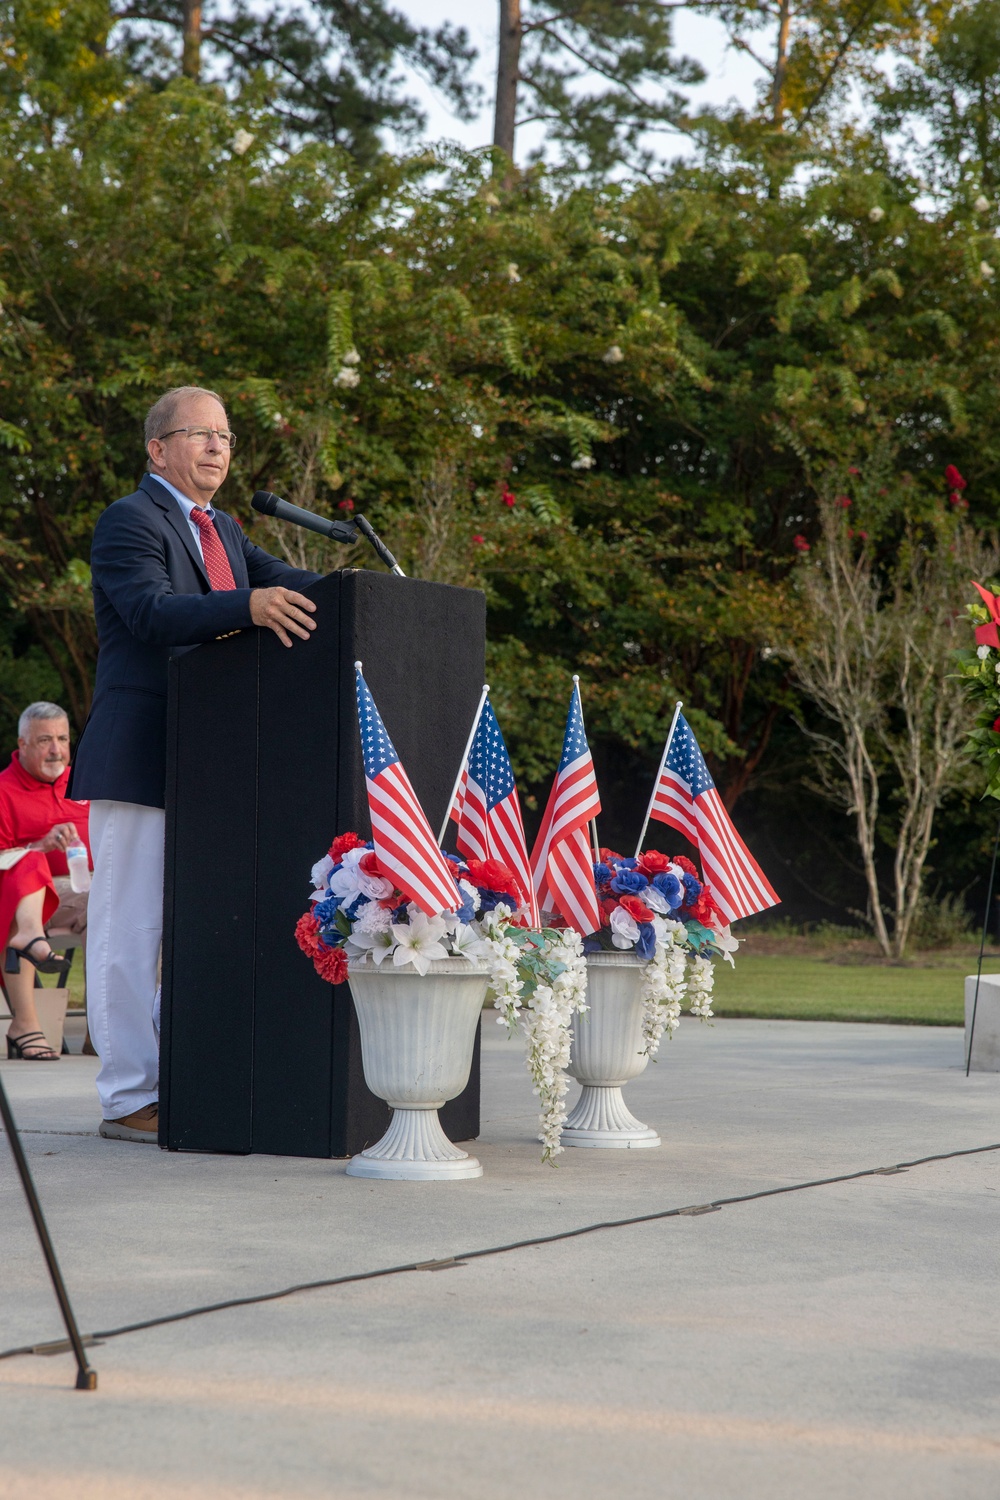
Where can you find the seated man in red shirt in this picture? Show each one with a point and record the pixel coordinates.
(38, 823)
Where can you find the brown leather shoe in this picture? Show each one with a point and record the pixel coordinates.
(142, 1125)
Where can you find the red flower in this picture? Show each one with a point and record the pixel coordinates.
(345, 505)
(653, 863)
(953, 478)
(800, 544)
(958, 501)
(477, 537)
(343, 844)
(854, 471)
(704, 908)
(608, 856)
(996, 726)
(686, 865)
(509, 499)
(607, 907)
(843, 501)
(369, 863)
(307, 934)
(636, 908)
(331, 964)
(862, 536)
(492, 876)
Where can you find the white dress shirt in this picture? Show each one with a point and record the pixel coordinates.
(187, 506)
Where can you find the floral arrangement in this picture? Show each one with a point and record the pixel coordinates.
(538, 978)
(660, 909)
(979, 667)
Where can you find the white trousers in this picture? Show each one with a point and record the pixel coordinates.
(125, 926)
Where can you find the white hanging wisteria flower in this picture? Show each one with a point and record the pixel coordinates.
(613, 355)
(242, 141)
(986, 271)
(700, 984)
(347, 378)
(981, 204)
(663, 984)
(547, 1021)
(876, 214)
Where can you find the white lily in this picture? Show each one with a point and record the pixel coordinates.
(467, 943)
(418, 942)
(378, 945)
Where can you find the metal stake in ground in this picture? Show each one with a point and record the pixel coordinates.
(982, 950)
(86, 1378)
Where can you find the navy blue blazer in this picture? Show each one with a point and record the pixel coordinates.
(152, 598)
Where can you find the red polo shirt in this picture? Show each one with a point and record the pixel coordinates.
(29, 808)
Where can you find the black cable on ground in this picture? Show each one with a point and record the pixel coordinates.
(61, 1345)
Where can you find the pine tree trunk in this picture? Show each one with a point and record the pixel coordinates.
(191, 61)
(507, 75)
(781, 63)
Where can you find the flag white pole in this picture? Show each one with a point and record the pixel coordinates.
(659, 773)
(593, 822)
(462, 763)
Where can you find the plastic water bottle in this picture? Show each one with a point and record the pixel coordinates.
(79, 867)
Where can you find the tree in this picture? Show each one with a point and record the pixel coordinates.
(878, 637)
(599, 74)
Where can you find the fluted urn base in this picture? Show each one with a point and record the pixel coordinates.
(600, 1117)
(415, 1149)
(417, 1036)
(608, 1051)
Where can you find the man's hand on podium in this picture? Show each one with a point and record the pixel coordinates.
(282, 610)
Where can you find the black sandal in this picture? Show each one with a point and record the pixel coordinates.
(50, 965)
(36, 1039)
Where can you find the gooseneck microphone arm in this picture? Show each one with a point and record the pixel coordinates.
(337, 531)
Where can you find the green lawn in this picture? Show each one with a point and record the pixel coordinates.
(810, 989)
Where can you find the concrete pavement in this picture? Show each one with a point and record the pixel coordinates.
(841, 1341)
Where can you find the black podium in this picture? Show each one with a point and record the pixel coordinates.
(264, 766)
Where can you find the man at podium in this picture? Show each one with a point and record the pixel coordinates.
(169, 572)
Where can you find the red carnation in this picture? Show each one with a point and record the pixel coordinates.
(493, 876)
(369, 863)
(653, 863)
(307, 934)
(636, 908)
(331, 964)
(953, 478)
(343, 844)
(800, 544)
(683, 863)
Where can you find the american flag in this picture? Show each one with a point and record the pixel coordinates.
(487, 809)
(405, 846)
(562, 864)
(686, 799)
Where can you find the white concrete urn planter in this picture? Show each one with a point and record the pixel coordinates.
(608, 1052)
(417, 1036)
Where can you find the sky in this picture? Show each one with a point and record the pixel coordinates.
(731, 75)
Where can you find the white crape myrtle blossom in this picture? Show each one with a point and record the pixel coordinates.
(613, 355)
(663, 983)
(513, 275)
(981, 204)
(982, 652)
(347, 378)
(986, 271)
(876, 214)
(584, 461)
(418, 941)
(352, 357)
(700, 984)
(242, 141)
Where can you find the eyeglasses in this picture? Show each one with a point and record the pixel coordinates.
(202, 434)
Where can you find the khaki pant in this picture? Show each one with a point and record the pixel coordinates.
(71, 913)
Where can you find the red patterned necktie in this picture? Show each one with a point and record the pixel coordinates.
(220, 574)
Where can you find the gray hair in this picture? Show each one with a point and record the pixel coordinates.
(163, 413)
(39, 710)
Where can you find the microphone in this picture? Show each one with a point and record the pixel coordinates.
(337, 531)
